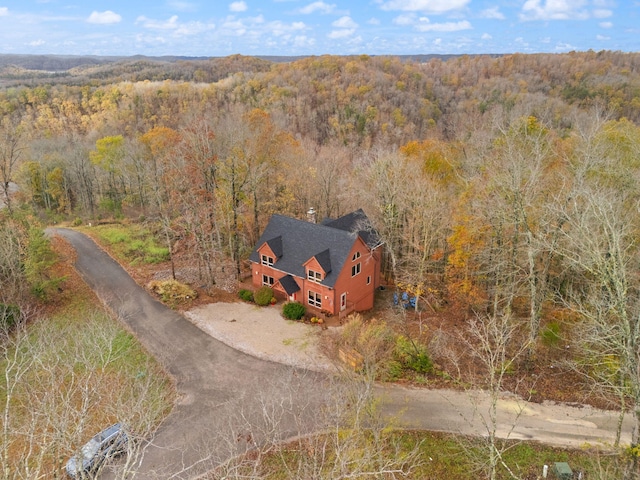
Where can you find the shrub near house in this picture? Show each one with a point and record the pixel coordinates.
(293, 310)
(263, 296)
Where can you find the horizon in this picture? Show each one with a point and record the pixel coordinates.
(291, 28)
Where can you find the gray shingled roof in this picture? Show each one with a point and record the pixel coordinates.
(324, 259)
(356, 221)
(289, 284)
(276, 246)
(302, 240)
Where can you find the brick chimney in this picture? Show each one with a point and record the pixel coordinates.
(311, 215)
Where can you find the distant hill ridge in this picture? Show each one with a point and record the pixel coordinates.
(61, 63)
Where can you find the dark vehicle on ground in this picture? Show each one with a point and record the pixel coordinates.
(109, 443)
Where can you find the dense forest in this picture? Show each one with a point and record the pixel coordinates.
(507, 186)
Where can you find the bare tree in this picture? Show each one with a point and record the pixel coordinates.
(10, 151)
(599, 245)
(13, 243)
(495, 342)
(63, 384)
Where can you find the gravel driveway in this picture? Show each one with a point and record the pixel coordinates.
(262, 332)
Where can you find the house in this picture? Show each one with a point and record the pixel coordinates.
(332, 267)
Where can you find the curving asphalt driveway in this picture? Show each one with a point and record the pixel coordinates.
(221, 391)
(215, 383)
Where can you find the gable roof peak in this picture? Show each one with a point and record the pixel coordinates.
(324, 259)
(275, 244)
(356, 223)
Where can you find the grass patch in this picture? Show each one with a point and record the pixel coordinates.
(132, 243)
(440, 456)
(551, 334)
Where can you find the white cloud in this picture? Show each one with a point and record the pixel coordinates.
(437, 41)
(303, 41)
(238, 7)
(36, 43)
(486, 36)
(263, 33)
(346, 28)
(493, 13)
(602, 37)
(176, 28)
(341, 33)
(193, 28)
(554, 10)
(442, 27)
(405, 19)
(373, 21)
(427, 6)
(281, 29)
(602, 13)
(423, 24)
(606, 24)
(565, 47)
(319, 7)
(345, 22)
(170, 24)
(234, 26)
(4, 11)
(104, 18)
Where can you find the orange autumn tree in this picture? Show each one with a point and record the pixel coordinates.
(440, 161)
(463, 269)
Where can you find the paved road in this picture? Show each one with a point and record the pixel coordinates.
(216, 384)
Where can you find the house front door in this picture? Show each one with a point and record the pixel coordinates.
(343, 301)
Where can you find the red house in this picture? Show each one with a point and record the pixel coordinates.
(332, 267)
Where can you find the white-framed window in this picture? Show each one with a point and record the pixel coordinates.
(267, 260)
(355, 256)
(314, 299)
(355, 270)
(314, 276)
(267, 280)
(368, 279)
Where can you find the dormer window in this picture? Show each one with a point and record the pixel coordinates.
(314, 276)
(267, 260)
(355, 256)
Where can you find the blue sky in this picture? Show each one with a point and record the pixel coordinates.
(315, 27)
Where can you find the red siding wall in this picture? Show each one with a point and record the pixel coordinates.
(359, 283)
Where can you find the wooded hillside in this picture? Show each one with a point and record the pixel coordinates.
(505, 187)
(430, 148)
